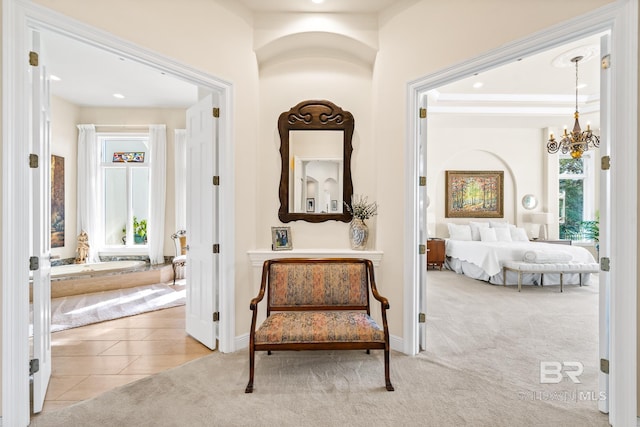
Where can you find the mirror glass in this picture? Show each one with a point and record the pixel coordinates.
(315, 179)
(315, 148)
(529, 201)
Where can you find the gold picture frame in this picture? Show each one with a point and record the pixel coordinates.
(474, 194)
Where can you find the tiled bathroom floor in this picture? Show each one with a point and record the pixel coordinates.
(90, 360)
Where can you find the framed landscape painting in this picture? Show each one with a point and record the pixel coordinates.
(474, 194)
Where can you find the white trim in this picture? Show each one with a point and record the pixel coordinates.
(15, 220)
(624, 219)
(621, 18)
(258, 257)
(18, 17)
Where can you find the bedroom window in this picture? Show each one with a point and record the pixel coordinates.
(125, 168)
(576, 195)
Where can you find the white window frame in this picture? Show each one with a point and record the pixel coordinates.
(589, 184)
(102, 137)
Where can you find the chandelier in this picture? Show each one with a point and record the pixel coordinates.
(575, 142)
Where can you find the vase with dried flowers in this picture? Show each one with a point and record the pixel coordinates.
(361, 210)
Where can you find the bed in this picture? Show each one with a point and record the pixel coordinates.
(483, 258)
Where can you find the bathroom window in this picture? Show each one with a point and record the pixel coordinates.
(125, 168)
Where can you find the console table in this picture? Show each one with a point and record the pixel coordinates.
(259, 256)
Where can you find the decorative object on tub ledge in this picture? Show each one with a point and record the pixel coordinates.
(281, 238)
(360, 209)
(474, 194)
(577, 141)
(83, 248)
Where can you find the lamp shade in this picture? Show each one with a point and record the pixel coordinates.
(541, 218)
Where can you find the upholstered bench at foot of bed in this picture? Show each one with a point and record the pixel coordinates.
(544, 268)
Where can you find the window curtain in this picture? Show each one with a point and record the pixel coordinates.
(180, 191)
(157, 189)
(89, 191)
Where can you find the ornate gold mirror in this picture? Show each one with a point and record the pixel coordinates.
(315, 148)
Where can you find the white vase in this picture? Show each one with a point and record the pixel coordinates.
(358, 234)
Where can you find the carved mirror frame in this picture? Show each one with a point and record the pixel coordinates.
(315, 115)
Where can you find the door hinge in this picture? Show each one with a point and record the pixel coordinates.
(422, 318)
(34, 366)
(33, 161)
(216, 316)
(216, 248)
(605, 264)
(605, 163)
(33, 59)
(423, 113)
(422, 249)
(216, 180)
(606, 62)
(423, 181)
(34, 263)
(216, 112)
(604, 366)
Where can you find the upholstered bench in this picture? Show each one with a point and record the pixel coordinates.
(318, 304)
(544, 268)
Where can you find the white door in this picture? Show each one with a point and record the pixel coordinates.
(202, 222)
(605, 215)
(422, 220)
(41, 235)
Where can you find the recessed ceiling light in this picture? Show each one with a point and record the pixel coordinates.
(54, 78)
(478, 85)
(118, 95)
(318, 1)
(581, 86)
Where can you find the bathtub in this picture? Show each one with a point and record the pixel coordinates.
(88, 269)
(77, 279)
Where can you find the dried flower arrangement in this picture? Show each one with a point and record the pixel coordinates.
(360, 207)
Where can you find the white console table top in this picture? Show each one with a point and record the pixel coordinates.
(259, 256)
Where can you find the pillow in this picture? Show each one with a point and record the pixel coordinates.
(498, 224)
(459, 232)
(503, 234)
(488, 234)
(519, 235)
(475, 228)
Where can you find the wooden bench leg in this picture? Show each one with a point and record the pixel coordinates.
(387, 378)
(561, 282)
(519, 281)
(252, 357)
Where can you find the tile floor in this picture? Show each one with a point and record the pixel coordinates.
(95, 358)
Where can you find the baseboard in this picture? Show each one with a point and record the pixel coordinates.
(242, 341)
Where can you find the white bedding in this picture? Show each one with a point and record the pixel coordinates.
(483, 260)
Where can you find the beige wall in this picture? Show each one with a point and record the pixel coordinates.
(1, 222)
(485, 149)
(64, 142)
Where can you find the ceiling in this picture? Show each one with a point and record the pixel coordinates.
(531, 92)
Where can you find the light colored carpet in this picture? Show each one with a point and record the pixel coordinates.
(79, 310)
(481, 369)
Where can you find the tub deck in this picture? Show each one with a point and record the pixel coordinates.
(98, 281)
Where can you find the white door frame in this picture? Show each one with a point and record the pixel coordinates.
(621, 18)
(18, 17)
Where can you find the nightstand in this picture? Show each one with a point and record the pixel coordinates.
(435, 253)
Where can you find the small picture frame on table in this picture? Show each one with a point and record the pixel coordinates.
(281, 238)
